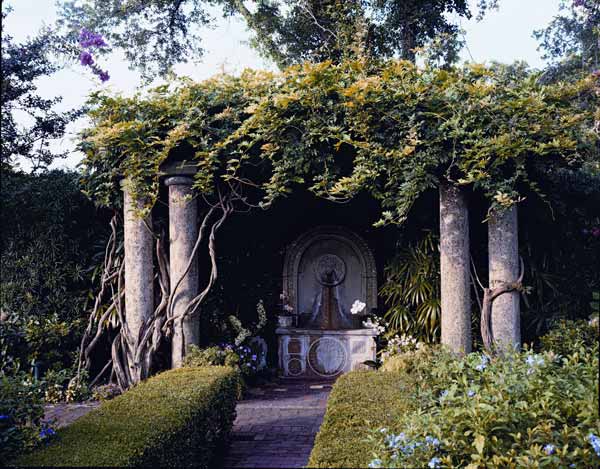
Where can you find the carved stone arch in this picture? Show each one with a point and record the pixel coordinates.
(322, 235)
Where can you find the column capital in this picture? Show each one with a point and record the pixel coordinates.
(179, 181)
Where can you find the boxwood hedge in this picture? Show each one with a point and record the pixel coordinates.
(430, 408)
(359, 401)
(180, 417)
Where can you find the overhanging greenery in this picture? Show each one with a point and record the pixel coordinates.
(390, 128)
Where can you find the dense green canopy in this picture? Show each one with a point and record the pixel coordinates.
(390, 128)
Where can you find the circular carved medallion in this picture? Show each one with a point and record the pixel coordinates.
(327, 356)
(330, 270)
(294, 366)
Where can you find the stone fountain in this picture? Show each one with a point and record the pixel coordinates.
(326, 270)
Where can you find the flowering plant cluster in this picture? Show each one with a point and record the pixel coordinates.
(428, 448)
(357, 307)
(21, 415)
(375, 323)
(398, 345)
(224, 354)
(62, 386)
(89, 41)
(517, 409)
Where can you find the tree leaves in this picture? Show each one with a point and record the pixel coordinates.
(391, 129)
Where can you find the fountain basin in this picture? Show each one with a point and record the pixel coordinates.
(321, 354)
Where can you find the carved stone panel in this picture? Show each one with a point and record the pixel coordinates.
(329, 262)
(319, 354)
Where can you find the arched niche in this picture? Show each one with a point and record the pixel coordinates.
(301, 285)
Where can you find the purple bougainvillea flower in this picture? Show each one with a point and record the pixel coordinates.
(86, 58)
(90, 39)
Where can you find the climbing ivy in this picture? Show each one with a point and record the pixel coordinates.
(390, 128)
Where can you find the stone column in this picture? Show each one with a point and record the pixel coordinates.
(139, 266)
(454, 269)
(503, 255)
(183, 232)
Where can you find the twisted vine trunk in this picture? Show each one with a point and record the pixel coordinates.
(490, 342)
(139, 330)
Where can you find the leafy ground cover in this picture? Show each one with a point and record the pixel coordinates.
(431, 409)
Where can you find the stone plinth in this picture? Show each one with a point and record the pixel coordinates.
(319, 354)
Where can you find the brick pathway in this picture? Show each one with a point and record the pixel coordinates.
(63, 414)
(276, 426)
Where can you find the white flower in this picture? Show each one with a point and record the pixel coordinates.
(288, 308)
(378, 325)
(357, 307)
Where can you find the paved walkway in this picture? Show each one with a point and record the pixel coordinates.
(64, 414)
(276, 426)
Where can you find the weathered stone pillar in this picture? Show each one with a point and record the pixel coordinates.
(454, 269)
(503, 254)
(183, 232)
(139, 267)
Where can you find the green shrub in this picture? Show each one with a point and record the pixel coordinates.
(52, 236)
(241, 357)
(567, 336)
(434, 409)
(359, 400)
(178, 418)
(21, 412)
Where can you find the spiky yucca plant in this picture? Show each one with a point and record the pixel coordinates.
(411, 290)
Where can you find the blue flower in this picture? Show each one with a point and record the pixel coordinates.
(530, 360)
(595, 442)
(434, 463)
(375, 463)
(444, 393)
(483, 363)
(470, 393)
(254, 357)
(394, 441)
(549, 449)
(46, 432)
(432, 441)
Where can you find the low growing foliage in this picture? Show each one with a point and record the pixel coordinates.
(21, 412)
(520, 409)
(241, 357)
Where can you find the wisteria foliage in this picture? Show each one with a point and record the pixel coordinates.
(392, 129)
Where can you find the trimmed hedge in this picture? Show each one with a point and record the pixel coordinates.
(359, 401)
(430, 408)
(181, 417)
